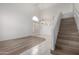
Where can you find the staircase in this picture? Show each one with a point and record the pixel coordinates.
(68, 38)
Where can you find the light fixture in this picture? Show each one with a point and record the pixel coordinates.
(35, 18)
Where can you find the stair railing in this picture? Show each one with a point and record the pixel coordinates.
(76, 16)
(55, 29)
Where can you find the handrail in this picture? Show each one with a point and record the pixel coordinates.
(76, 10)
(55, 29)
(76, 16)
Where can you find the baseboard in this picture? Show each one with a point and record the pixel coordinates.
(17, 38)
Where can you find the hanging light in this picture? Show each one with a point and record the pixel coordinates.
(35, 18)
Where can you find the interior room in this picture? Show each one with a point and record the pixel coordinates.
(39, 29)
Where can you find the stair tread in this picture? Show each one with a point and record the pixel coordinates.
(68, 42)
(62, 52)
(67, 49)
(69, 35)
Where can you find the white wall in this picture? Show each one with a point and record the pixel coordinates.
(50, 11)
(15, 20)
(58, 7)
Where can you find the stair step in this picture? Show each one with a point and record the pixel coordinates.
(56, 52)
(66, 31)
(67, 49)
(69, 25)
(67, 42)
(68, 34)
(62, 52)
(75, 33)
(69, 18)
(65, 20)
(72, 39)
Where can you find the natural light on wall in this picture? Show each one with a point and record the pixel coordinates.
(35, 19)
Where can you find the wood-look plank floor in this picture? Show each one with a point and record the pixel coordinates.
(68, 38)
(17, 46)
